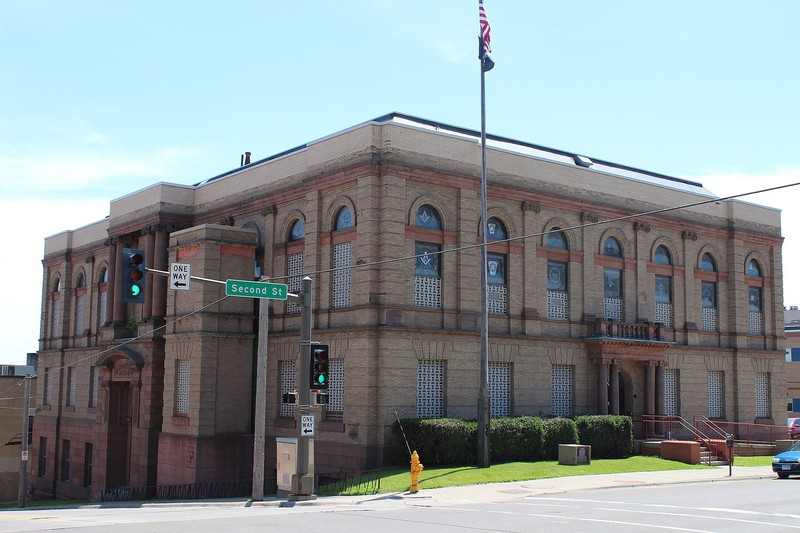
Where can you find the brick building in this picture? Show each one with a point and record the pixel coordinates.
(674, 312)
(12, 402)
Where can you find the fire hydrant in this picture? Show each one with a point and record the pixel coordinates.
(416, 468)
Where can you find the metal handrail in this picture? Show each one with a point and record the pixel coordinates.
(670, 421)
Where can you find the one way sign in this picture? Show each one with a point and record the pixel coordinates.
(307, 425)
(179, 276)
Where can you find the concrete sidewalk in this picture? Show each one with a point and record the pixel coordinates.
(518, 489)
(481, 493)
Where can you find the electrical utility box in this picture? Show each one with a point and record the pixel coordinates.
(287, 466)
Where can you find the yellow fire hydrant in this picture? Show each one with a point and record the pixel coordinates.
(416, 468)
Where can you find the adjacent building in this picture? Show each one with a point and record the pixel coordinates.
(12, 409)
(611, 290)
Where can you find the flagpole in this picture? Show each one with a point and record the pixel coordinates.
(483, 389)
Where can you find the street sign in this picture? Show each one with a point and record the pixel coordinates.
(307, 425)
(256, 289)
(179, 276)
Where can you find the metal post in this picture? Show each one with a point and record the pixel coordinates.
(23, 463)
(260, 430)
(483, 389)
(304, 486)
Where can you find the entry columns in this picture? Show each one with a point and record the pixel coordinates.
(614, 382)
(602, 387)
(650, 388)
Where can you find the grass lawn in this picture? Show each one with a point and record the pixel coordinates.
(398, 479)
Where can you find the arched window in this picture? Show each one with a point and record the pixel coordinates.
(497, 270)
(557, 295)
(102, 300)
(612, 247)
(754, 305)
(342, 259)
(55, 309)
(753, 268)
(298, 231)
(344, 219)
(707, 263)
(612, 282)
(80, 305)
(496, 230)
(427, 271)
(662, 256)
(556, 239)
(428, 217)
(295, 264)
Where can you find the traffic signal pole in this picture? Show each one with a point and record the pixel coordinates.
(303, 483)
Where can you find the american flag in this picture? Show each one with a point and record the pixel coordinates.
(485, 28)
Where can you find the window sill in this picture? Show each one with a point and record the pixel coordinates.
(180, 421)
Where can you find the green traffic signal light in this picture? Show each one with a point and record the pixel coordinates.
(133, 271)
(319, 367)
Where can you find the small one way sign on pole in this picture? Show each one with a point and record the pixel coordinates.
(179, 276)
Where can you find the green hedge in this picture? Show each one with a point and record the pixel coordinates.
(558, 431)
(610, 436)
(451, 441)
(516, 439)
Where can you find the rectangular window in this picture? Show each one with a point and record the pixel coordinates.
(496, 291)
(427, 280)
(294, 269)
(336, 389)
(94, 383)
(79, 312)
(48, 386)
(101, 316)
(500, 389)
(715, 394)
(612, 292)
(288, 384)
(71, 385)
(55, 318)
(664, 300)
(762, 395)
(671, 392)
(754, 306)
(182, 387)
(42, 466)
(88, 459)
(342, 257)
(430, 389)
(561, 379)
(557, 290)
(709, 306)
(65, 460)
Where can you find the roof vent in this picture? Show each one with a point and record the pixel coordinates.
(582, 161)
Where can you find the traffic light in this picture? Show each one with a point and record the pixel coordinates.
(133, 277)
(319, 367)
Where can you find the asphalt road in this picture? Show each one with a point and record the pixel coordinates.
(751, 505)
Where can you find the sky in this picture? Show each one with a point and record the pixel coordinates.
(99, 99)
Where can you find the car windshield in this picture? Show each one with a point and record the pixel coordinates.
(795, 447)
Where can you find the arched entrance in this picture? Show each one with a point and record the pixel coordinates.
(118, 417)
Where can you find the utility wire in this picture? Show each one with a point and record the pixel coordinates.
(442, 252)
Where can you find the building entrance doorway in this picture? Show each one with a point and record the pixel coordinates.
(119, 434)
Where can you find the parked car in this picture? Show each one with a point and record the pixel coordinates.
(787, 463)
(794, 429)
